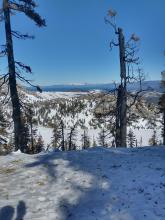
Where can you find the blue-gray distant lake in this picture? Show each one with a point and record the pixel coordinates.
(154, 85)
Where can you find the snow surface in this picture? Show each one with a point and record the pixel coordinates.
(95, 184)
(142, 131)
(59, 95)
(46, 133)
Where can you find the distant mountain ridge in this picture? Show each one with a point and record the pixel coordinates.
(153, 85)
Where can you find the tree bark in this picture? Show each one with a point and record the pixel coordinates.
(164, 127)
(16, 115)
(63, 139)
(123, 92)
(117, 136)
(70, 139)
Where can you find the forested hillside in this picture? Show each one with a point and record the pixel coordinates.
(88, 119)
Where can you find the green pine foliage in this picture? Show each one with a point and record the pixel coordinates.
(131, 139)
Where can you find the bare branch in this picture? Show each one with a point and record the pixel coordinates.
(7, 96)
(107, 21)
(28, 82)
(24, 67)
(136, 96)
(3, 52)
(4, 79)
(112, 43)
(21, 36)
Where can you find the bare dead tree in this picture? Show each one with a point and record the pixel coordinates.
(162, 106)
(127, 56)
(26, 7)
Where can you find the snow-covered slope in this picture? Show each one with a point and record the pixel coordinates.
(98, 184)
(45, 96)
(50, 107)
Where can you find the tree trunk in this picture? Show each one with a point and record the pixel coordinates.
(164, 127)
(63, 139)
(16, 115)
(117, 136)
(123, 92)
(31, 135)
(84, 138)
(70, 140)
(103, 138)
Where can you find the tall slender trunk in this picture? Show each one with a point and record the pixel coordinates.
(70, 140)
(103, 137)
(63, 138)
(164, 127)
(12, 80)
(84, 140)
(117, 136)
(31, 136)
(123, 92)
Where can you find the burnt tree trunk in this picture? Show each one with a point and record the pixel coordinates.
(164, 127)
(16, 115)
(122, 96)
(117, 136)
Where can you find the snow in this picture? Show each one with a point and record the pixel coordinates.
(141, 130)
(46, 134)
(142, 134)
(60, 95)
(95, 184)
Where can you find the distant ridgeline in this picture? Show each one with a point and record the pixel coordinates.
(151, 85)
(163, 75)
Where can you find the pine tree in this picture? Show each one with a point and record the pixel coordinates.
(3, 124)
(85, 140)
(153, 140)
(131, 139)
(72, 138)
(28, 8)
(32, 130)
(94, 144)
(29, 131)
(58, 138)
(4, 144)
(57, 135)
(102, 138)
(63, 143)
(25, 136)
(39, 145)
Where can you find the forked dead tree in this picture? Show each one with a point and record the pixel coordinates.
(127, 56)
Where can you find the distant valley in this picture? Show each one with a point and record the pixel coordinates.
(150, 85)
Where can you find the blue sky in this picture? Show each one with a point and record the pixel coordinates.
(74, 47)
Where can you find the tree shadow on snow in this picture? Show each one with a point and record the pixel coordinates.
(7, 212)
(92, 199)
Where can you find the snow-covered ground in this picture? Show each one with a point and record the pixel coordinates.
(53, 95)
(142, 135)
(46, 133)
(46, 113)
(96, 184)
